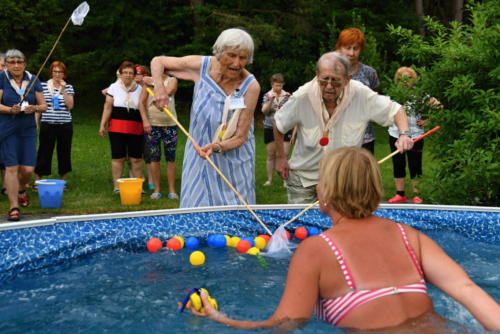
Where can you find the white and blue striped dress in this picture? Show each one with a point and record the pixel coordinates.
(201, 185)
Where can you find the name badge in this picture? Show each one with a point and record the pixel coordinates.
(24, 105)
(55, 103)
(237, 103)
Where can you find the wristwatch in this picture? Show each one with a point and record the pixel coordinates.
(217, 148)
(405, 133)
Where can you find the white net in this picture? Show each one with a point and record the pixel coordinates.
(79, 13)
(279, 246)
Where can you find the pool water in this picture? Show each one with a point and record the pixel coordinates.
(129, 290)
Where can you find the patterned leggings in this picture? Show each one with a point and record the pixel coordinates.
(159, 134)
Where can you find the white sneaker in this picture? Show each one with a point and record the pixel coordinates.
(268, 183)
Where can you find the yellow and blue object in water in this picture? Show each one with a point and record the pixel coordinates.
(193, 299)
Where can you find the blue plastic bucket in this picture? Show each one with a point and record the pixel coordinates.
(50, 193)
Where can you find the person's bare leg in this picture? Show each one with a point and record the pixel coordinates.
(400, 183)
(12, 184)
(137, 168)
(270, 158)
(154, 170)
(25, 175)
(171, 176)
(116, 170)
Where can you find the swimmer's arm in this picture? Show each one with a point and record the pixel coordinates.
(298, 300)
(443, 272)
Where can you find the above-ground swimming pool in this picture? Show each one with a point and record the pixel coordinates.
(93, 274)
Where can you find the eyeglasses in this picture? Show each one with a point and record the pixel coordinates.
(335, 82)
(12, 62)
(58, 72)
(127, 73)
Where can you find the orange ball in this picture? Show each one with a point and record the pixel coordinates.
(243, 246)
(300, 233)
(174, 244)
(154, 245)
(288, 235)
(267, 237)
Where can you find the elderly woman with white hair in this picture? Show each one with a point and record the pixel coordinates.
(224, 100)
(20, 98)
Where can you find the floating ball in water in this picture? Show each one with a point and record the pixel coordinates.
(250, 240)
(174, 244)
(228, 239)
(300, 233)
(197, 304)
(234, 242)
(192, 242)
(154, 245)
(243, 246)
(216, 240)
(253, 251)
(288, 235)
(312, 231)
(181, 239)
(197, 258)
(266, 237)
(260, 242)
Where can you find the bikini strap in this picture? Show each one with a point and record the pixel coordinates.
(410, 250)
(340, 259)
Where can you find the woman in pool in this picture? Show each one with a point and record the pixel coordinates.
(366, 272)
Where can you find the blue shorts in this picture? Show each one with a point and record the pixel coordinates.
(18, 146)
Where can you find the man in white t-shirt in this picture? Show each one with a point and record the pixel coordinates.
(330, 111)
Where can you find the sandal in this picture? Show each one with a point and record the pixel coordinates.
(23, 198)
(14, 215)
(173, 196)
(155, 196)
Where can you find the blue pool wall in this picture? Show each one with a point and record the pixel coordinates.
(33, 245)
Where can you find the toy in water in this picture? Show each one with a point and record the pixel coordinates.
(300, 233)
(197, 258)
(311, 230)
(228, 239)
(250, 240)
(154, 245)
(193, 299)
(174, 244)
(260, 242)
(253, 251)
(243, 246)
(192, 242)
(216, 240)
(181, 239)
(234, 242)
(266, 237)
(288, 235)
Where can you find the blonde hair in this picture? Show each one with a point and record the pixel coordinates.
(408, 71)
(350, 182)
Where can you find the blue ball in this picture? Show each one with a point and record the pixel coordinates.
(191, 242)
(250, 240)
(216, 240)
(312, 231)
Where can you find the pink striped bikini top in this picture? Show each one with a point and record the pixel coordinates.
(335, 309)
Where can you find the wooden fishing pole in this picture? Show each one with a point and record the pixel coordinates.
(210, 161)
(380, 161)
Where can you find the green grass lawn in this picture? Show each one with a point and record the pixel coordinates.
(90, 183)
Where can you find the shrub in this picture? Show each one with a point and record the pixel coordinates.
(459, 66)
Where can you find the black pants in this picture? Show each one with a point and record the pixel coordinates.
(414, 159)
(50, 134)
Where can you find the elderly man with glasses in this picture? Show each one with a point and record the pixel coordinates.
(330, 111)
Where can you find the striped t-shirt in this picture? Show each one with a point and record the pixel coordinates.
(60, 115)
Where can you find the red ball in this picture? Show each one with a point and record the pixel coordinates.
(266, 237)
(174, 244)
(300, 233)
(288, 235)
(154, 245)
(324, 141)
(243, 246)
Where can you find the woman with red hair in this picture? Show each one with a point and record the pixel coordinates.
(351, 43)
